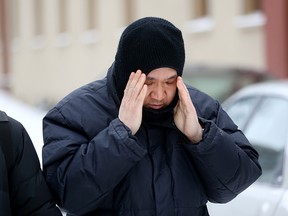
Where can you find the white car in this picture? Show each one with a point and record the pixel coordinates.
(261, 112)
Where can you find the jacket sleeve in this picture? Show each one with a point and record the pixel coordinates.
(77, 165)
(4, 188)
(226, 161)
(29, 192)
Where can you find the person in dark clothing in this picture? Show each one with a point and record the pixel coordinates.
(23, 190)
(140, 142)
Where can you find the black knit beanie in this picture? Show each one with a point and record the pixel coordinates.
(147, 44)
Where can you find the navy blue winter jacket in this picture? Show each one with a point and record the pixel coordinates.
(23, 190)
(95, 166)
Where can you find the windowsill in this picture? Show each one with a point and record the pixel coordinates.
(205, 24)
(91, 36)
(256, 19)
(15, 45)
(64, 39)
(38, 42)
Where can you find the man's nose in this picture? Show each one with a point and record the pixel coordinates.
(158, 93)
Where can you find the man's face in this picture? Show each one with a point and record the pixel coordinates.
(162, 87)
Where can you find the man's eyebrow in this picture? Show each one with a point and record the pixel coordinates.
(169, 78)
(172, 77)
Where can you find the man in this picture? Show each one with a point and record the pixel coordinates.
(23, 190)
(140, 142)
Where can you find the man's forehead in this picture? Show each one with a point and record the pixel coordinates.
(162, 73)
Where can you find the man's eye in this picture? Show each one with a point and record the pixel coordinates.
(170, 82)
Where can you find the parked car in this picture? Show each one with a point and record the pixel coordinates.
(261, 111)
(221, 82)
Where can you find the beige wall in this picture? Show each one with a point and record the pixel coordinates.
(47, 72)
(227, 44)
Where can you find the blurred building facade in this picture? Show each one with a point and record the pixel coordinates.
(50, 47)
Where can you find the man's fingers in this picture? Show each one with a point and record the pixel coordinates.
(132, 102)
(130, 79)
(135, 83)
(134, 79)
(142, 94)
(182, 90)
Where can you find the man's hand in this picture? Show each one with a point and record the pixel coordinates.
(185, 116)
(130, 112)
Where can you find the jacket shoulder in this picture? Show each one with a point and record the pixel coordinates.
(15, 125)
(95, 98)
(3, 116)
(93, 90)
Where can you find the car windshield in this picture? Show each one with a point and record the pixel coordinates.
(265, 124)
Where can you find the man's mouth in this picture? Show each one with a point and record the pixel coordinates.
(155, 106)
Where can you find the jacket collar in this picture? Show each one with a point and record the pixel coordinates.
(111, 84)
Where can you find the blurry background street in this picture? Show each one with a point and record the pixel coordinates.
(50, 47)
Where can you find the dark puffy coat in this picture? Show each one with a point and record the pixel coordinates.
(96, 167)
(23, 190)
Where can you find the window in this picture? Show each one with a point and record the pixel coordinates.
(200, 9)
(251, 14)
(264, 122)
(267, 131)
(38, 17)
(129, 13)
(38, 21)
(241, 110)
(92, 18)
(250, 6)
(63, 39)
(91, 34)
(14, 11)
(62, 12)
(14, 30)
(201, 20)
